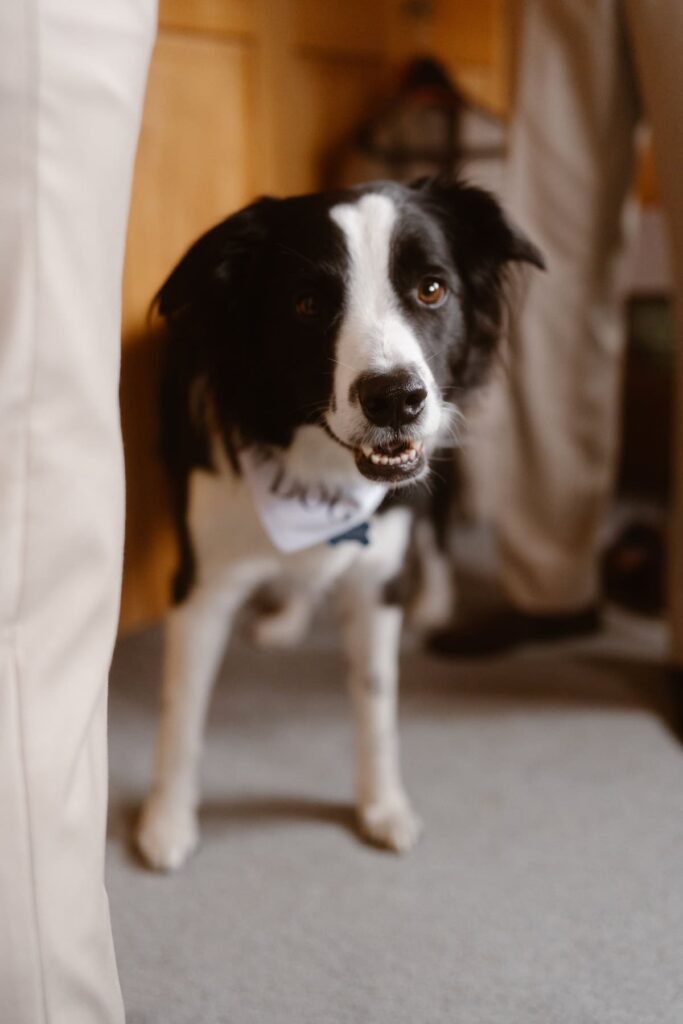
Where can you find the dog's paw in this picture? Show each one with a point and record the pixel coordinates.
(390, 823)
(167, 833)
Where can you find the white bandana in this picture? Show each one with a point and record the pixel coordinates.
(298, 514)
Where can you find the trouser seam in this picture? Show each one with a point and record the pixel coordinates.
(31, 129)
(14, 654)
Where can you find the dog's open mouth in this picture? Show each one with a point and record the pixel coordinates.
(391, 462)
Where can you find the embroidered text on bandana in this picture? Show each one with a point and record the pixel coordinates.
(298, 514)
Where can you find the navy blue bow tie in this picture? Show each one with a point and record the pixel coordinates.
(360, 533)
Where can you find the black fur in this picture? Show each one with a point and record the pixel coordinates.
(482, 243)
(241, 359)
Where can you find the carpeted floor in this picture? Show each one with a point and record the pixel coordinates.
(547, 889)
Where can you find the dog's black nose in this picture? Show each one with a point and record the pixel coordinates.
(391, 399)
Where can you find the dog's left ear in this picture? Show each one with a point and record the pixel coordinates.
(484, 243)
(481, 234)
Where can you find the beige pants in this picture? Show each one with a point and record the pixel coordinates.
(72, 75)
(586, 70)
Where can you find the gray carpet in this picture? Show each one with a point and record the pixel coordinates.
(548, 886)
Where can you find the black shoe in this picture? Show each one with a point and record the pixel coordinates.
(511, 628)
(634, 569)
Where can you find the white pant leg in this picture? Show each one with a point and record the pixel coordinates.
(72, 75)
(656, 30)
(571, 163)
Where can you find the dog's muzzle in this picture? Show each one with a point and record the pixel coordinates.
(392, 404)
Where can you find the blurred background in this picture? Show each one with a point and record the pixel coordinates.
(547, 887)
(248, 97)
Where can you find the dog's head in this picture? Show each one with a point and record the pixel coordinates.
(365, 311)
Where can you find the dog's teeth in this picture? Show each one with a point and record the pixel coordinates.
(410, 453)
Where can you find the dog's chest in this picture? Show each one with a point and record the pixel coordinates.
(229, 539)
(233, 548)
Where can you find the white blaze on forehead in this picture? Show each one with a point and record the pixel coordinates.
(375, 336)
(374, 333)
(368, 227)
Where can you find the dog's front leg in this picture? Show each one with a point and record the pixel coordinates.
(373, 632)
(195, 637)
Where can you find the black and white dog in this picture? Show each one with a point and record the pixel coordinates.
(318, 348)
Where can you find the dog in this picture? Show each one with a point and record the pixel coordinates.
(318, 350)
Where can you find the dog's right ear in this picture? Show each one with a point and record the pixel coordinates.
(214, 260)
(201, 302)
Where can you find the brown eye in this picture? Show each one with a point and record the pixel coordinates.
(306, 306)
(431, 291)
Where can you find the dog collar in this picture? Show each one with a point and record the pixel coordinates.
(298, 514)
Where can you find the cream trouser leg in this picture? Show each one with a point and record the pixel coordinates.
(72, 75)
(571, 166)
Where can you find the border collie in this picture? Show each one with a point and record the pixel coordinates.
(317, 351)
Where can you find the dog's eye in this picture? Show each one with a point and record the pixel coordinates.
(306, 305)
(431, 291)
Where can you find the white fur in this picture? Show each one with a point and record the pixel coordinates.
(373, 633)
(234, 556)
(374, 336)
(435, 603)
(286, 626)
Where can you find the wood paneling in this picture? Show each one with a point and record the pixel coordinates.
(356, 26)
(195, 163)
(232, 17)
(195, 160)
(470, 37)
(333, 96)
(150, 553)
